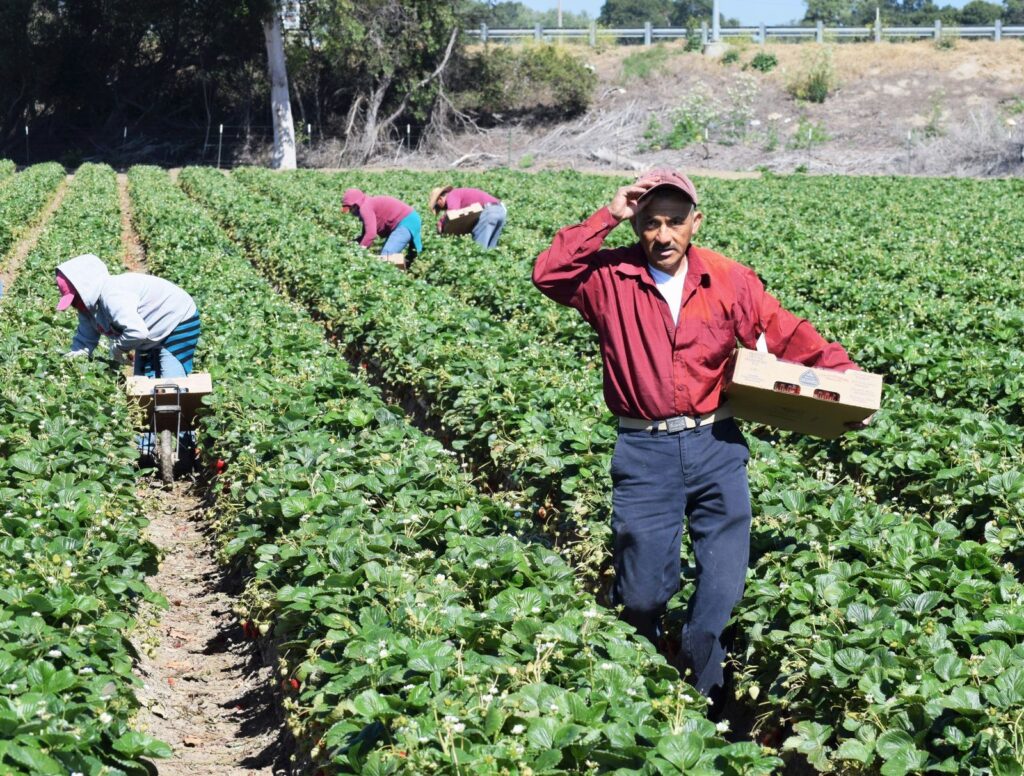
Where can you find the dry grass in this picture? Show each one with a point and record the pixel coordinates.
(900, 108)
(980, 146)
(1001, 61)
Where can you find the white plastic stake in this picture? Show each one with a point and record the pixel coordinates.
(220, 141)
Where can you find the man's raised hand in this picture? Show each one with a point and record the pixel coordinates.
(623, 204)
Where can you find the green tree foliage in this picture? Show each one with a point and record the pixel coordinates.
(514, 14)
(627, 13)
(833, 12)
(981, 12)
(912, 12)
(540, 81)
(101, 64)
(1014, 13)
(363, 64)
(680, 13)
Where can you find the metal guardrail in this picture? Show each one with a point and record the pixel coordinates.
(759, 34)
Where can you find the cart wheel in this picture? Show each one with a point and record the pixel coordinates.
(165, 456)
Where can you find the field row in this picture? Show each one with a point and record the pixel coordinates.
(964, 464)
(858, 612)
(417, 632)
(72, 556)
(422, 625)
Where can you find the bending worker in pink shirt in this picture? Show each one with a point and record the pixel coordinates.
(492, 220)
(385, 217)
(668, 316)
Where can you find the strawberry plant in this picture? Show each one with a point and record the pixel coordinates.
(23, 196)
(72, 556)
(421, 626)
(847, 567)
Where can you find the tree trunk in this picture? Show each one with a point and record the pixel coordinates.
(283, 157)
(368, 142)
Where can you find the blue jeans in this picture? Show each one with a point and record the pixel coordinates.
(409, 230)
(658, 479)
(488, 227)
(169, 365)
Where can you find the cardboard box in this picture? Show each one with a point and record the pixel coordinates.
(798, 398)
(197, 382)
(463, 220)
(195, 387)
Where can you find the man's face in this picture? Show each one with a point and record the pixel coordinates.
(350, 209)
(441, 204)
(665, 225)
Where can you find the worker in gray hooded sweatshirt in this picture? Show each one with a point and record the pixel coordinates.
(137, 312)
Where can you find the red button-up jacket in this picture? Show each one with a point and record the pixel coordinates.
(655, 369)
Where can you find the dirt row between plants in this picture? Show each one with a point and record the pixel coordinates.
(133, 254)
(205, 691)
(10, 268)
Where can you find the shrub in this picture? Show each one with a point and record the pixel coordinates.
(645, 62)
(730, 57)
(764, 61)
(947, 41)
(816, 79)
(543, 81)
(701, 116)
(808, 134)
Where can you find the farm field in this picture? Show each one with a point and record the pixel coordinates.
(414, 486)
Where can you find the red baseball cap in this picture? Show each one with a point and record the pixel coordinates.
(352, 197)
(67, 292)
(669, 179)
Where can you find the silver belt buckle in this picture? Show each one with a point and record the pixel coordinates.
(678, 423)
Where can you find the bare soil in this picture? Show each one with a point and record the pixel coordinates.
(10, 268)
(133, 255)
(205, 692)
(898, 108)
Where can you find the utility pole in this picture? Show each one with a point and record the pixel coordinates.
(559, 14)
(715, 48)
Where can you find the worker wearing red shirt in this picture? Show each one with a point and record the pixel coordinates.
(488, 226)
(668, 316)
(387, 217)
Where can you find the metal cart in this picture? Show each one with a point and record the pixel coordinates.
(171, 405)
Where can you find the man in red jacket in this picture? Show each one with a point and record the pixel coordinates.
(668, 316)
